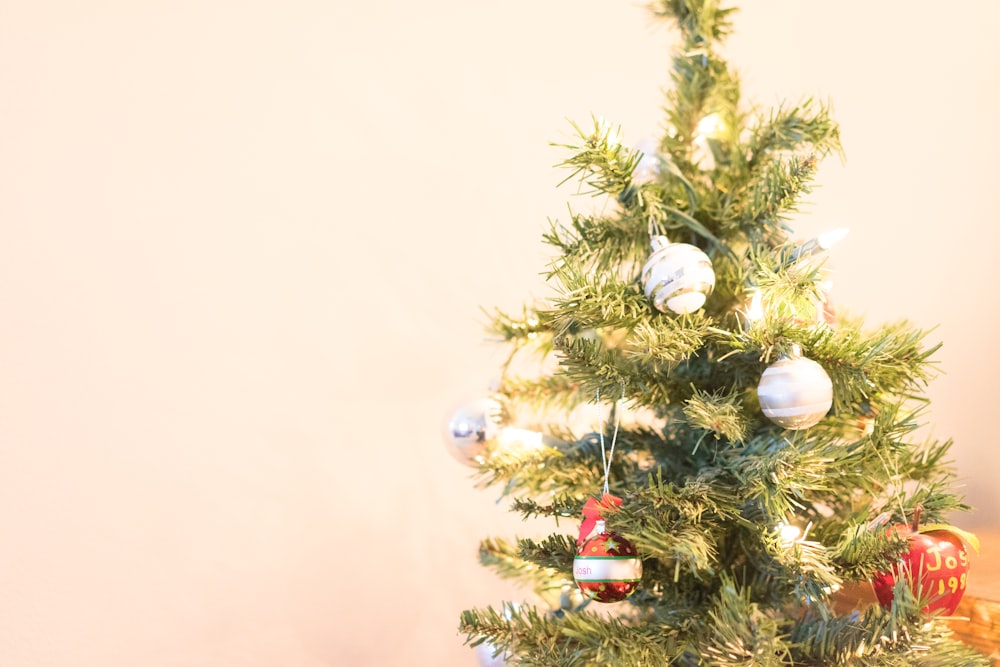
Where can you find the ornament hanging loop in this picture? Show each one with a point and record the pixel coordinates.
(606, 457)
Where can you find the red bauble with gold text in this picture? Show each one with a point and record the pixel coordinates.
(607, 568)
(938, 561)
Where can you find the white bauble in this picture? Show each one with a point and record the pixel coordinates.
(795, 392)
(647, 170)
(487, 656)
(677, 276)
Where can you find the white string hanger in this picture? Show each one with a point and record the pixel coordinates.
(606, 457)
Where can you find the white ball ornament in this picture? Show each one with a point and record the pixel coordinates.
(677, 276)
(472, 429)
(795, 392)
(647, 169)
(488, 656)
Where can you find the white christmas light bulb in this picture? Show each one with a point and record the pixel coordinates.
(648, 167)
(612, 135)
(828, 239)
(821, 243)
(519, 441)
(788, 533)
(710, 126)
(755, 311)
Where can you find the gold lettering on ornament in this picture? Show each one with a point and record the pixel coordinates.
(937, 555)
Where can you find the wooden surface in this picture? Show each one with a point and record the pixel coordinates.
(984, 577)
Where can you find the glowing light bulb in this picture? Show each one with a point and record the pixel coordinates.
(710, 126)
(828, 239)
(519, 441)
(755, 311)
(821, 243)
(612, 135)
(788, 533)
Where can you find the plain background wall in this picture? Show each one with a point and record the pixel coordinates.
(243, 248)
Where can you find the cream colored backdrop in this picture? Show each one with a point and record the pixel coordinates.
(243, 248)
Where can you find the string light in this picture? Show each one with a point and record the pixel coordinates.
(789, 534)
(520, 442)
(611, 134)
(821, 243)
(710, 126)
(755, 310)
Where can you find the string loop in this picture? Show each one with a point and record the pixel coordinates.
(606, 457)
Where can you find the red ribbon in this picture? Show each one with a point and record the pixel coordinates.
(593, 512)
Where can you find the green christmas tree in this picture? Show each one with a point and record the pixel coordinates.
(758, 457)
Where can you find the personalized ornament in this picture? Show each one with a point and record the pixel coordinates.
(473, 429)
(938, 565)
(607, 568)
(677, 276)
(795, 392)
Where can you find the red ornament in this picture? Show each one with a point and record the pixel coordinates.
(593, 511)
(607, 567)
(938, 562)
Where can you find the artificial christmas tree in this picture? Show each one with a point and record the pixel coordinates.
(768, 444)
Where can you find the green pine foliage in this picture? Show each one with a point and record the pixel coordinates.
(705, 478)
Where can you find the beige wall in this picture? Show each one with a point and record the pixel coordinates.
(243, 249)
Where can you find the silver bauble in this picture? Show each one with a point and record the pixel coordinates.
(677, 276)
(487, 655)
(795, 392)
(472, 430)
(647, 169)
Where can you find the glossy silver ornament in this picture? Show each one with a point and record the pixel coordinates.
(472, 430)
(487, 655)
(677, 276)
(647, 169)
(795, 392)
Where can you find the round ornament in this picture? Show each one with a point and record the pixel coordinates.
(677, 276)
(795, 392)
(607, 568)
(472, 429)
(938, 565)
(647, 169)
(487, 655)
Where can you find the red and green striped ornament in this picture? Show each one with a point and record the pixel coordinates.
(607, 568)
